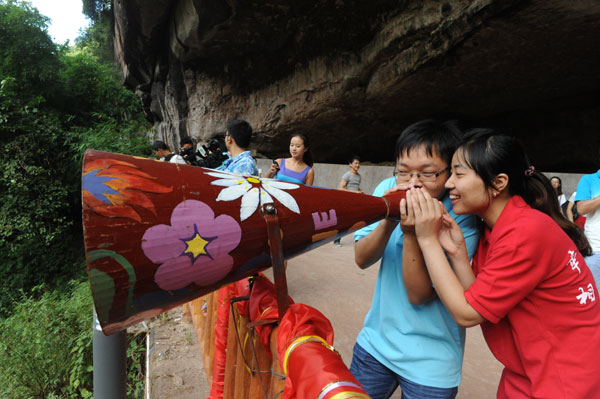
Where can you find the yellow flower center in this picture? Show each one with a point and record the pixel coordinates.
(196, 246)
(253, 180)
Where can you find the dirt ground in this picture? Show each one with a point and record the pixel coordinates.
(327, 279)
(175, 362)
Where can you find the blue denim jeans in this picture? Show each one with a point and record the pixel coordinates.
(380, 382)
(593, 262)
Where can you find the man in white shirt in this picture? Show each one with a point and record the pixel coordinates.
(164, 153)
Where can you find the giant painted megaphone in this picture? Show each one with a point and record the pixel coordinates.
(159, 234)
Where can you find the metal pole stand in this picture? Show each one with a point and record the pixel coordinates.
(110, 374)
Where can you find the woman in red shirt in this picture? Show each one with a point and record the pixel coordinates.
(529, 286)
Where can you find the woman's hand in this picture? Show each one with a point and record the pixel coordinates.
(428, 213)
(272, 170)
(450, 236)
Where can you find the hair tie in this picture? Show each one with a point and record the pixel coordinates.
(529, 171)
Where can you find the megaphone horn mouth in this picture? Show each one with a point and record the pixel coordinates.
(177, 232)
(392, 202)
(387, 206)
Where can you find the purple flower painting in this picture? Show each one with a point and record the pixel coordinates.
(194, 248)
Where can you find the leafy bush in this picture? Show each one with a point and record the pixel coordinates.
(51, 111)
(40, 236)
(46, 346)
(55, 103)
(92, 91)
(27, 52)
(136, 366)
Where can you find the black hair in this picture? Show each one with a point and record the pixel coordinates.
(241, 132)
(559, 190)
(186, 140)
(159, 145)
(307, 156)
(441, 137)
(353, 158)
(490, 154)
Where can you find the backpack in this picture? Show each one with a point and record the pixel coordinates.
(574, 210)
(563, 208)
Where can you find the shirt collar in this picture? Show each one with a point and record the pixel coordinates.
(243, 155)
(511, 211)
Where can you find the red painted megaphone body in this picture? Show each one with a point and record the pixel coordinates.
(159, 234)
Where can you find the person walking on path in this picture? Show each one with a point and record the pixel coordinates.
(351, 182)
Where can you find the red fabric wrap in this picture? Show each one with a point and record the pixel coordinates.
(311, 366)
(263, 305)
(221, 326)
(300, 320)
(241, 288)
(233, 290)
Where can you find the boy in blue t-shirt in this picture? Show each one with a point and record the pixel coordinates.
(409, 339)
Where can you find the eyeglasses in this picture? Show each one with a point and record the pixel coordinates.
(423, 176)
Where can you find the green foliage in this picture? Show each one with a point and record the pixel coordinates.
(109, 135)
(27, 53)
(97, 40)
(46, 346)
(32, 185)
(18, 114)
(92, 91)
(54, 104)
(45, 127)
(39, 236)
(96, 9)
(136, 366)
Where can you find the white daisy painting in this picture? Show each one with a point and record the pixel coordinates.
(254, 192)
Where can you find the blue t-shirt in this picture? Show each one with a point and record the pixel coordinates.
(242, 164)
(421, 343)
(587, 189)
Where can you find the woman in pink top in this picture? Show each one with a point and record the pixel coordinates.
(529, 286)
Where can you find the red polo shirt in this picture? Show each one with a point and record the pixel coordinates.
(542, 307)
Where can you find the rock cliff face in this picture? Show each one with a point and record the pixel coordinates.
(352, 75)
